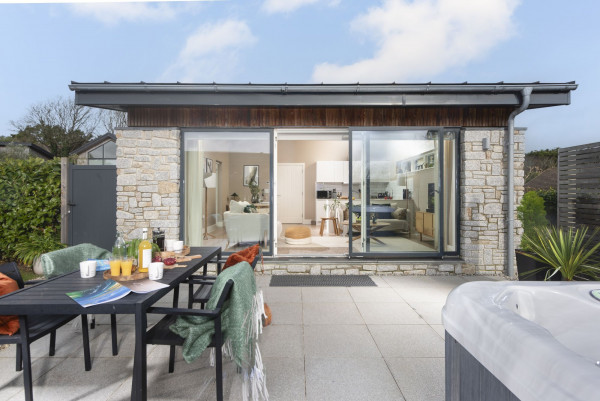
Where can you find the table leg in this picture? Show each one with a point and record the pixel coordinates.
(139, 382)
(24, 331)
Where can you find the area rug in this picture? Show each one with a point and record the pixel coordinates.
(321, 281)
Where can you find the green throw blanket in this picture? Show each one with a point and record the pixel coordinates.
(67, 260)
(198, 331)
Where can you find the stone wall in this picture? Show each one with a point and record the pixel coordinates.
(148, 166)
(483, 188)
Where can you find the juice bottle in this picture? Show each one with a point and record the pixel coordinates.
(144, 252)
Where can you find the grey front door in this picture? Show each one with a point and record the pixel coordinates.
(92, 205)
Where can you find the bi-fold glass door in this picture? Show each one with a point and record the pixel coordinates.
(398, 179)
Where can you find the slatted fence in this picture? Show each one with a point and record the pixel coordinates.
(579, 186)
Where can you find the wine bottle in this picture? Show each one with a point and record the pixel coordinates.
(144, 252)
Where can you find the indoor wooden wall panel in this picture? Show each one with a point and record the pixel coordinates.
(242, 117)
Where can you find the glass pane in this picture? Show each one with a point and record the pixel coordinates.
(226, 174)
(110, 162)
(110, 150)
(95, 162)
(96, 153)
(395, 183)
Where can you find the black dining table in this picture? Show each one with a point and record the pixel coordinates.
(49, 298)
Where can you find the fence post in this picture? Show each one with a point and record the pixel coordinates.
(64, 199)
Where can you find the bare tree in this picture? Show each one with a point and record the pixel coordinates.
(62, 113)
(111, 119)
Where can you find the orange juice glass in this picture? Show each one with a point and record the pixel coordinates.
(126, 265)
(115, 267)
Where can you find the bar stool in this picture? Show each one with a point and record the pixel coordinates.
(335, 225)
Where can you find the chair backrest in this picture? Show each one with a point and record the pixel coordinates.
(12, 271)
(225, 294)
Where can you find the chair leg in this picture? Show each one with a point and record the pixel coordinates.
(171, 359)
(27, 381)
(52, 343)
(93, 324)
(19, 358)
(86, 343)
(113, 333)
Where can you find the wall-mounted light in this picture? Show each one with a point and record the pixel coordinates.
(485, 143)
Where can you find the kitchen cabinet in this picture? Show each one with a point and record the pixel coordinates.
(424, 224)
(332, 171)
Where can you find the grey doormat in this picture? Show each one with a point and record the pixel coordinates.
(321, 281)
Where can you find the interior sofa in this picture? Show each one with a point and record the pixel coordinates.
(245, 227)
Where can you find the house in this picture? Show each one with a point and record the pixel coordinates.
(424, 174)
(26, 149)
(99, 151)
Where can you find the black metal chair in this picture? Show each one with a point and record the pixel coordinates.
(34, 327)
(202, 293)
(160, 334)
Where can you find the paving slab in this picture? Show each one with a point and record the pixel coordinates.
(407, 340)
(419, 379)
(339, 341)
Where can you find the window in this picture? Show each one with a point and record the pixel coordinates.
(105, 154)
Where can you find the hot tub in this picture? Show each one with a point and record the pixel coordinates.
(522, 341)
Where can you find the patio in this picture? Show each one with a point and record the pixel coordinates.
(325, 343)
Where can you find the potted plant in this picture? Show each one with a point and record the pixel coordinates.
(568, 251)
(532, 214)
(38, 243)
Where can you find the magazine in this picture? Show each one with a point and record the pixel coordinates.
(108, 291)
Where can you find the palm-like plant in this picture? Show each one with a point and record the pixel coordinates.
(567, 251)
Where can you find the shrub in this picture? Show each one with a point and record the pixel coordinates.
(29, 204)
(550, 202)
(532, 214)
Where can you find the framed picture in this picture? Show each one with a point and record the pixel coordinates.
(250, 175)
(208, 168)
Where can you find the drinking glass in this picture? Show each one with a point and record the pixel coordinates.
(126, 265)
(115, 265)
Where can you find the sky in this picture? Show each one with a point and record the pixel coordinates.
(43, 47)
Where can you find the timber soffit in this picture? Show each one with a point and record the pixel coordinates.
(121, 96)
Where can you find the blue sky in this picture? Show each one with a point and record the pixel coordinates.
(45, 46)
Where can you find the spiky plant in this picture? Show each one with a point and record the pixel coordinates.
(566, 250)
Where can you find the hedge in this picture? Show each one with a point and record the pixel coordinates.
(29, 202)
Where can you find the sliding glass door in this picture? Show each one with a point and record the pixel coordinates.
(397, 181)
(228, 178)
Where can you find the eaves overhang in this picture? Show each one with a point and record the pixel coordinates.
(122, 96)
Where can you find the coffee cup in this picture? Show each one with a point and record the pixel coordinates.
(87, 268)
(155, 270)
(178, 246)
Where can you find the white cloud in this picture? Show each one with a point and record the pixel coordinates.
(113, 13)
(286, 6)
(415, 40)
(211, 53)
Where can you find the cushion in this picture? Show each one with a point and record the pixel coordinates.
(8, 324)
(399, 214)
(245, 255)
(237, 207)
(297, 232)
(67, 260)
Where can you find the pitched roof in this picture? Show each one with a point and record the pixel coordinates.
(32, 146)
(92, 144)
(546, 180)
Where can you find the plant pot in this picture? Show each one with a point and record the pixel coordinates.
(529, 269)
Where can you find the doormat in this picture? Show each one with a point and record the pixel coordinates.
(321, 281)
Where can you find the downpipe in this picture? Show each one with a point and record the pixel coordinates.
(510, 247)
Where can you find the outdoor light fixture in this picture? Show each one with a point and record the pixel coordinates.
(485, 143)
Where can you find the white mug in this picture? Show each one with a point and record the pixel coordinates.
(155, 270)
(169, 243)
(178, 246)
(87, 268)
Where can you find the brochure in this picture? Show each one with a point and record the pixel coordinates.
(144, 285)
(108, 291)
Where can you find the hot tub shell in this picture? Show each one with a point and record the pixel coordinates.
(522, 341)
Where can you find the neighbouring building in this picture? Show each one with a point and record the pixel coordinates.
(25, 149)
(101, 151)
(388, 178)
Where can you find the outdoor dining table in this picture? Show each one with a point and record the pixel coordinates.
(49, 298)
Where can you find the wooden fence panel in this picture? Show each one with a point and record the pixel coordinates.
(579, 185)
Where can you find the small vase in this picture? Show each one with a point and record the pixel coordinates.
(254, 199)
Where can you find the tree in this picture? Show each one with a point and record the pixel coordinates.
(59, 112)
(111, 119)
(538, 161)
(58, 141)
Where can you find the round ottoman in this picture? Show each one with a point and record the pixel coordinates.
(297, 235)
